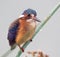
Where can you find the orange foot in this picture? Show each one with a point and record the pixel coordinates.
(22, 49)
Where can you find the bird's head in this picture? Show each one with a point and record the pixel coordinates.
(30, 14)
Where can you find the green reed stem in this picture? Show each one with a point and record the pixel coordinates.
(39, 28)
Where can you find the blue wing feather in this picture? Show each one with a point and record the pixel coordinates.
(13, 32)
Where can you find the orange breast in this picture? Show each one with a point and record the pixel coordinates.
(24, 28)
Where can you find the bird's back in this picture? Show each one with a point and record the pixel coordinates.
(13, 32)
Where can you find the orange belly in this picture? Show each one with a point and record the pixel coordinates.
(24, 35)
(25, 32)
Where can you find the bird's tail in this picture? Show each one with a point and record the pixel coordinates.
(13, 46)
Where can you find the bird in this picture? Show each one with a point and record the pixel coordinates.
(24, 25)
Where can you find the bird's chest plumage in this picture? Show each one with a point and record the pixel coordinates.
(26, 28)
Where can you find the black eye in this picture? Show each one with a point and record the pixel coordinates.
(29, 15)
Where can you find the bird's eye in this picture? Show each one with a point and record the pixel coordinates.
(29, 15)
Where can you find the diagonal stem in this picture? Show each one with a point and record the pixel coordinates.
(6, 53)
(39, 28)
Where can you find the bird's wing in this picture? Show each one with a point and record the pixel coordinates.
(12, 32)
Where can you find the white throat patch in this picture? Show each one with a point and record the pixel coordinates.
(29, 20)
(32, 22)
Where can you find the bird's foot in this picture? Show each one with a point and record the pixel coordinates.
(22, 49)
(31, 40)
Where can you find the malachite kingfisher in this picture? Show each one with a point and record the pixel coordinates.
(20, 27)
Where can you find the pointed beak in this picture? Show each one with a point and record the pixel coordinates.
(36, 19)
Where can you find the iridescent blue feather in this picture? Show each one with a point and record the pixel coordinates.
(12, 33)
